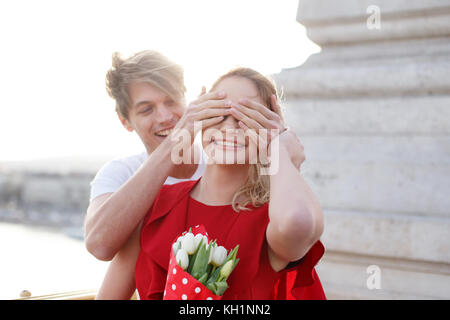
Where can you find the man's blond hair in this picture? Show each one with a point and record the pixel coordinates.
(146, 66)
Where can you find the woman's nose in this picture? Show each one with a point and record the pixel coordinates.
(229, 123)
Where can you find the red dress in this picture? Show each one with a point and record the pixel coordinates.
(174, 211)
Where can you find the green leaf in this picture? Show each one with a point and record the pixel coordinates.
(233, 252)
(235, 263)
(208, 270)
(201, 261)
(231, 255)
(193, 258)
(221, 287)
(213, 276)
(212, 286)
(203, 278)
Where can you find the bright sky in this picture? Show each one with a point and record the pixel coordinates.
(54, 56)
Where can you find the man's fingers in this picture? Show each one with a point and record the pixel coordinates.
(257, 116)
(211, 112)
(211, 121)
(265, 111)
(215, 95)
(240, 116)
(277, 109)
(275, 106)
(214, 104)
(203, 91)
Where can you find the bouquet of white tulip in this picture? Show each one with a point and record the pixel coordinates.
(198, 268)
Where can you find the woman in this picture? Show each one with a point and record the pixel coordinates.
(276, 219)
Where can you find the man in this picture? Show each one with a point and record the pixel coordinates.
(149, 92)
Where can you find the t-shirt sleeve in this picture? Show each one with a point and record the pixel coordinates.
(109, 178)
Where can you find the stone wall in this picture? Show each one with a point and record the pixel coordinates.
(373, 112)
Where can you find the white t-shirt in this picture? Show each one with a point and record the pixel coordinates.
(116, 172)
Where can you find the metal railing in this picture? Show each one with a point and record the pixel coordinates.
(71, 295)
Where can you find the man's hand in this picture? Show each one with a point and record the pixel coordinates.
(253, 115)
(208, 110)
(260, 123)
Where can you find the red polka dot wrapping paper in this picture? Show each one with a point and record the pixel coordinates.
(180, 285)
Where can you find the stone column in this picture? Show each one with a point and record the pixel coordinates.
(373, 112)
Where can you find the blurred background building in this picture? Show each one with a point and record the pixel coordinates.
(373, 111)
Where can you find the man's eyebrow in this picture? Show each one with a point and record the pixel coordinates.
(140, 103)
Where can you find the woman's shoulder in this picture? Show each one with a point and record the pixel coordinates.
(171, 193)
(168, 196)
(179, 188)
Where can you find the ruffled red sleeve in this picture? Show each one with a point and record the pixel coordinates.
(302, 282)
(254, 278)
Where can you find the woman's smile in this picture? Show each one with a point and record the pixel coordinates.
(227, 144)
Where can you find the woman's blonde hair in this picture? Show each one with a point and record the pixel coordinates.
(146, 66)
(256, 189)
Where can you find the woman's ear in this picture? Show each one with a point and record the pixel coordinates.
(126, 124)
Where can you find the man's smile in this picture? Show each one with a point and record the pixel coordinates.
(164, 132)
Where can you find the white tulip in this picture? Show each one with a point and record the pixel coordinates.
(182, 259)
(226, 270)
(188, 243)
(211, 253)
(175, 248)
(197, 240)
(219, 256)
